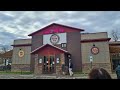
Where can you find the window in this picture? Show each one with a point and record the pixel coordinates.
(63, 45)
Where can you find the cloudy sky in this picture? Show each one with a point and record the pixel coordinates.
(18, 24)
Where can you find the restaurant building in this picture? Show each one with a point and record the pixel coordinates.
(54, 45)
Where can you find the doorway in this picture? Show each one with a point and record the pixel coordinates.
(49, 64)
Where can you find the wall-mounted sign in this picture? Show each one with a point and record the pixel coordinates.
(21, 53)
(54, 39)
(40, 60)
(94, 50)
(51, 31)
(62, 38)
(58, 61)
(91, 58)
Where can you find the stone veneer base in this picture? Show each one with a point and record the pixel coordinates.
(86, 67)
(20, 67)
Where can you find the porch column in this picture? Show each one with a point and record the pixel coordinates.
(59, 63)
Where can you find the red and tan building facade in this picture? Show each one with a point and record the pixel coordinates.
(52, 46)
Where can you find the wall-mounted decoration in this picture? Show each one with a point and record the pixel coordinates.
(21, 53)
(54, 39)
(95, 50)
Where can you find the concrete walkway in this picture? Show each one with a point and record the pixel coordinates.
(31, 76)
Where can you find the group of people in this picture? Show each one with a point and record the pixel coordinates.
(97, 73)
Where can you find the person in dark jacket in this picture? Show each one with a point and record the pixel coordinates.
(70, 68)
(118, 71)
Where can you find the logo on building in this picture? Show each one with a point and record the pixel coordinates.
(21, 53)
(54, 39)
(95, 50)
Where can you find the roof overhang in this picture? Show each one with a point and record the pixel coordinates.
(50, 46)
(20, 45)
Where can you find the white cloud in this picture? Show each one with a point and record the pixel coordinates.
(21, 23)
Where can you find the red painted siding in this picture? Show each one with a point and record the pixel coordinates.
(49, 51)
(56, 29)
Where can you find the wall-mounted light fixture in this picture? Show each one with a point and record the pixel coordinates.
(93, 45)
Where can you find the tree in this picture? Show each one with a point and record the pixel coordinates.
(3, 49)
(115, 35)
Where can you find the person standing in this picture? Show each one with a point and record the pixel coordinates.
(117, 70)
(70, 68)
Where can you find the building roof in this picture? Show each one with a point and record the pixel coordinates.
(52, 25)
(113, 43)
(114, 49)
(50, 46)
(7, 54)
(19, 45)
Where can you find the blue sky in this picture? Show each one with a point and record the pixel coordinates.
(18, 24)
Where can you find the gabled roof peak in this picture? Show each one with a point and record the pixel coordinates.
(56, 25)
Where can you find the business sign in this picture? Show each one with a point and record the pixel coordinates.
(95, 50)
(57, 38)
(21, 53)
(91, 58)
(51, 31)
(54, 39)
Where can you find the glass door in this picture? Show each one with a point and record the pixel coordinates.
(49, 64)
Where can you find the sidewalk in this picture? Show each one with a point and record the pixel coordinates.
(31, 76)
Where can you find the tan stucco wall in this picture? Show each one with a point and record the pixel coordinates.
(22, 41)
(21, 60)
(94, 35)
(102, 59)
(27, 49)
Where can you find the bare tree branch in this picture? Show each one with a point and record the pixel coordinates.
(115, 35)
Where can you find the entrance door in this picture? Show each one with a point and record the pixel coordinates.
(49, 64)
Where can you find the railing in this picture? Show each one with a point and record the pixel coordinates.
(5, 68)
